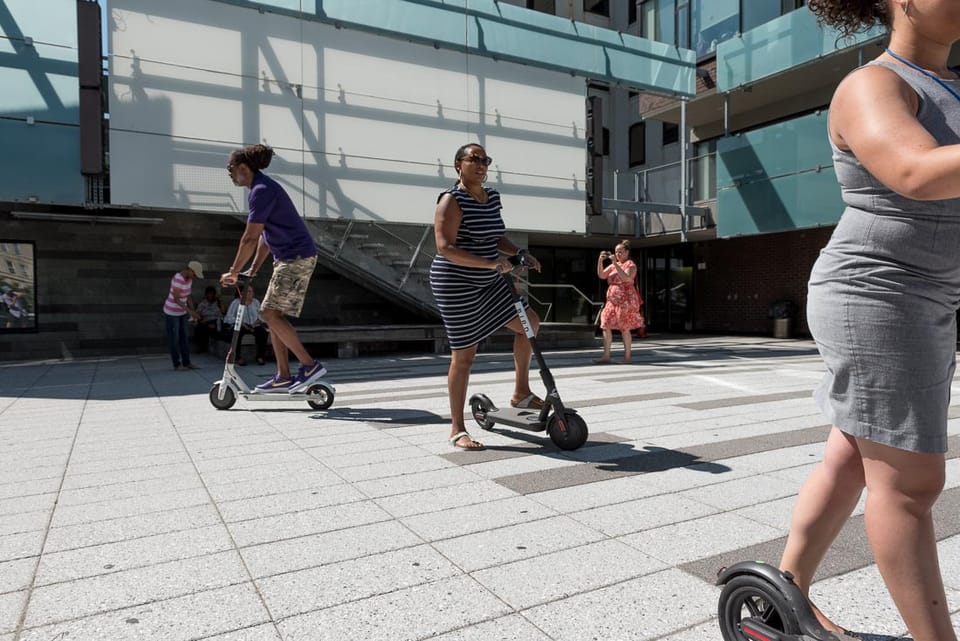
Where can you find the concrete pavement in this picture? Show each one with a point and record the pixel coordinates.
(132, 509)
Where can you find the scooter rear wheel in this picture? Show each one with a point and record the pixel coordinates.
(319, 397)
(229, 398)
(747, 596)
(571, 434)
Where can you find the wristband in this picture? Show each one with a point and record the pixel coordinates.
(521, 252)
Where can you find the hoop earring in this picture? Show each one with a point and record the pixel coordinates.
(484, 179)
(906, 7)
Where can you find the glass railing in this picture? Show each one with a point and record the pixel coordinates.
(660, 185)
(786, 42)
(777, 178)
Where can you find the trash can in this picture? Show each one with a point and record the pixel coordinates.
(782, 313)
(782, 327)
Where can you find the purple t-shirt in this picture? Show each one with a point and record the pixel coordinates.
(284, 231)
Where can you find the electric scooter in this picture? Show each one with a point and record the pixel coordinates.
(760, 603)
(223, 395)
(566, 428)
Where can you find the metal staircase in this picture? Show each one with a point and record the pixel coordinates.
(389, 258)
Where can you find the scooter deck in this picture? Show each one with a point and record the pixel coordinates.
(524, 418)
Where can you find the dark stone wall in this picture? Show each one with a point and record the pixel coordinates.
(101, 286)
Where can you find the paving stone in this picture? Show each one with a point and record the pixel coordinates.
(329, 547)
(56, 567)
(476, 518)
(495, 547)
(313, 521)
(336, 583)
(123, 589)
(656, 604)
(554, 576)
(197, 615)
(124, 528)
(17, 575)
(11, 605)
(418, 612)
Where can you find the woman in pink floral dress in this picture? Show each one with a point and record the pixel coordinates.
(622, 309)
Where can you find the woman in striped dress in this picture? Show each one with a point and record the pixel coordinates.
(474, 300)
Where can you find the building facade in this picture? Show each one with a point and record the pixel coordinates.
(705, 146)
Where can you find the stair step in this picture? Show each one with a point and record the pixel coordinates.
(372, 245)
(359, 236)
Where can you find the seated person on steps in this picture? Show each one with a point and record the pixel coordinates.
(210, 323)
(251, 324)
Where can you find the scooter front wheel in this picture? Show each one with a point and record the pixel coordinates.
(225, 403)
(319, 397)
(747, 596)
(480, 405)
(568, 434)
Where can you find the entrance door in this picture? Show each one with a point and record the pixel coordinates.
(668, 291)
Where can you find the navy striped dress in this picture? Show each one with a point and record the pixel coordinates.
(474, 303)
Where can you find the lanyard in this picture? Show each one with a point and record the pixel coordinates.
(928, 74)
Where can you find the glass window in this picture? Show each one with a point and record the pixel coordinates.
(758, 12)
(638, 141)
(543, 6)
(606, 141)
(714, 21)
(599, 7)
(704, 170)
(648, 20)
(683, 24)
(671, 133)
(632, 11)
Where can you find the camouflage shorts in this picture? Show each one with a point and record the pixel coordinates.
(288, 285)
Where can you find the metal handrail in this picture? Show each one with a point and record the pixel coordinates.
(549, 306)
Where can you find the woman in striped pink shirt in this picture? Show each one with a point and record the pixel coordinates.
(176, 309)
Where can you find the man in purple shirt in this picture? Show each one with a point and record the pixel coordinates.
(275, 227)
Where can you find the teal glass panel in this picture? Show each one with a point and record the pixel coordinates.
(38, 80)
(512, 33)
(489, 28)
(787, 147)
(35, 172)
(47, 21)
(790, 202)
(777, 178)
(786, 42)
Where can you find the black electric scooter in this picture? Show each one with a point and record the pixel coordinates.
(760, 603)
(566, 428)
(223, 395)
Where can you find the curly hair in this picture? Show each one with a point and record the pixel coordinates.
(851, 16)
(256, 157)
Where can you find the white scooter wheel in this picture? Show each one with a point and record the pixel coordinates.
(225, 403)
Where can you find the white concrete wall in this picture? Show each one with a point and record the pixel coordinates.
(364, 126)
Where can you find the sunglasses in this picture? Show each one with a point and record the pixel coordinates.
(486, 161)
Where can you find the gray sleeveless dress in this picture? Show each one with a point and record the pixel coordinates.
(883, 297)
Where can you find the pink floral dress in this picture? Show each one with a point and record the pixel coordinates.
(622, 309)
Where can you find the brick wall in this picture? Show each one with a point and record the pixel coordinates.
(736, 279)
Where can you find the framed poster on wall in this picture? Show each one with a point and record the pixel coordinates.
(18, 286)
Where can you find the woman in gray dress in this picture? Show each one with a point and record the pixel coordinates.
(882, 305)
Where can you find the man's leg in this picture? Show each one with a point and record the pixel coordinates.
(284, 333)
(170, 324)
